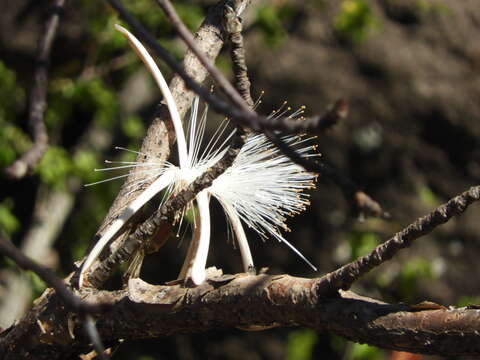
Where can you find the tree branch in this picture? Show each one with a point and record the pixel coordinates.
(239, 113)
(187, 37)
(73, 302)
(249, 302)
(38, 98)
(344, 277)
(244, 115)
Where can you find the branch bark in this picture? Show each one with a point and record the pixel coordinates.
(246, 302)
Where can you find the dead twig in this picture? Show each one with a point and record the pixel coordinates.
(233, 26)
(38, 96)
(245, 116)
(240, 113)
(344, 277)
(187, 37)
(69, 298)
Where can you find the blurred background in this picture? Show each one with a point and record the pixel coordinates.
(410, 71)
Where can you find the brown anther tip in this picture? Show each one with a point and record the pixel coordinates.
(341, 108)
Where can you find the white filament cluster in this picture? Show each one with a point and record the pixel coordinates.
(264, 186)
(261, 188)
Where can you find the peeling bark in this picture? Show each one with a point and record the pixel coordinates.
(246, 302)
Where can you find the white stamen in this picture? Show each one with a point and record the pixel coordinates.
(261, 188)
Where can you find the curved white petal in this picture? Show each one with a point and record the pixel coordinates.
(240, 236)
(162, 84)
(199, 262)
(158, 185)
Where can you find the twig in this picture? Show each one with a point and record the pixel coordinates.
(71, 300)
(344, 277)
(338, 111)
(38, 95)
(243, 115)
(363, 203)
(233, 26)
(92, 333)
(187, 37)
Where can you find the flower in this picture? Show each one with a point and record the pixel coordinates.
(261, 188)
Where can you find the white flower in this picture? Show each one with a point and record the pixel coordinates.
(261, 187)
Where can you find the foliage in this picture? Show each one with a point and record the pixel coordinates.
(365, 352)
(300, 344)
(272, 20)
(362, 242)
(13, 141)
(8, 221)
(355, 20)
(412, 272)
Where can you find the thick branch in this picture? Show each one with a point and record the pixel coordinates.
(247, 302)
(38, 98)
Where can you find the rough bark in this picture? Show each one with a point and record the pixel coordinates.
(247, 302)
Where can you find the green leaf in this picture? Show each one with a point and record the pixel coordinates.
(55, 166)
(84, 163)
(8, 221)
(300, 344)
(270, 19)
(38, 286)
(133, 127)
(362, 243)
(355, 20)
(365, 352)
(413, 270)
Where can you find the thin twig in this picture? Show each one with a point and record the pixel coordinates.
(363, 203)
(344, 277)
(38, 95)
(187, 37)
(233, 26)
(243, 115)
(92, 333)
(69, 298)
